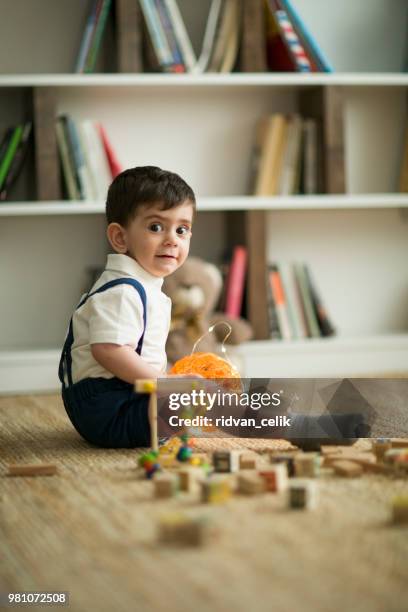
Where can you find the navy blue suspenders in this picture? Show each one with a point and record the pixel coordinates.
(65, 365)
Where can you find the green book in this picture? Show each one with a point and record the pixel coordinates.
(309, 311)
(11, 151)
(97, 39)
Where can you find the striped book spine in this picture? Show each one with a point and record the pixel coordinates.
(292, 41)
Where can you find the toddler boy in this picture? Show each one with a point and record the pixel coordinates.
(119, 329)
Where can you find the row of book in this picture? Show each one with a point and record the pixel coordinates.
(286, 158)
(88, 160)
(295, 308)
(248, 35)
(13, 151)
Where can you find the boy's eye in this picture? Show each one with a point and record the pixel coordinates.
(183, 229)
(155, 227)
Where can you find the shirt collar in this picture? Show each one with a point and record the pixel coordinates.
(127, 265)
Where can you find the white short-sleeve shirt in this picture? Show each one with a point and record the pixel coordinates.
(116, 316)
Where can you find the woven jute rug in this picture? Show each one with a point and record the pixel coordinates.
(91, 530)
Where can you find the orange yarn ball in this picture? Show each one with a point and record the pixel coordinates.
(207, 365)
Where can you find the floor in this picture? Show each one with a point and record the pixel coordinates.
(91, 530)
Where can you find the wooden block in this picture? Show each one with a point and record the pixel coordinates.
(275, 477)
(302, 494)
(45, 469)
(400, 509)
(190, 477)
(216, 489)
(307, 465)
(165, 485)
(370, 466)
(247, 461)
(179, 529)
(399, 443)
(359, 457)
(287, 458)
(345, 467)
(380, 447)
(226, 461)
(250, 483)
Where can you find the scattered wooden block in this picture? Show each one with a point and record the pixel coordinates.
(216, 489)
(165, 485)
(400, 509)
(399, 443)
(302, 494)
(44, 469)
(250, 483)
(226, 461)
(167, 460)
(287, 458)
(179, 529)
(370, 466)
(248, 462)
(347, 468)
(190, 477)
(275, 477)
(307, 465)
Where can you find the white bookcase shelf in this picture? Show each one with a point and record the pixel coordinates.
(224, 204)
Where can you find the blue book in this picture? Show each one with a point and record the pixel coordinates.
(304, 34)
(87, 38)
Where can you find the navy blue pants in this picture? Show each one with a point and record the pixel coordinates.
(108, 413)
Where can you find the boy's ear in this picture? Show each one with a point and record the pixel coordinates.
(117, 237)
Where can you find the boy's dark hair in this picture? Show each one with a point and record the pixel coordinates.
(144, 185)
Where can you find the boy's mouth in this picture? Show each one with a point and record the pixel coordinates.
(167, 256)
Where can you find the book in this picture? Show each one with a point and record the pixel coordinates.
(278, 57)
(99, 29)
(209, 35)
(222, 35)
(95, 157)
(114, 164)
(17, 161)
(403, 177)
(77, 157)
(183, 39)
(270, 163)
(68, 170)
(295, 315)
(279, 299)
(310, 166)
(10, 152)
(325, 325)
(87, 36)
(253, 37)
(306, 299)
(307, 39)
(291, 39)
(273, 324)
(289, 177)
(232, 40)
(236, 282)
(157, 36)
(164, 17)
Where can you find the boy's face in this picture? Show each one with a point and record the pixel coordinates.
(159, 240)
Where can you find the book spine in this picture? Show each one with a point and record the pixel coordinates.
(403, 178)
(253, 50)
(209, 36)
(178, 65)
(78, 159)
(232, 40)
(291, 40)
(72, 155)
(17, 162)
(325, 325)
(97, 39)
(114, 164)
(162, 49)
(291, 156)
(280, 303)
(91, 170)
(67, 169)
(290, 302)
(270, 160)
(307, 38)
(99, 164)
(9, 155)
(274, 331)
(310, 156)
(87, 38)
(311, 318)
(236, 282)
(183, 39)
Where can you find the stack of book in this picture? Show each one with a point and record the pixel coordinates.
(286, 156)
(88, 161)
(295, 309)
(171, 44)
(92, 36)
(13, 150)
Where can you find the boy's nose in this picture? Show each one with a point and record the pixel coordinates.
(170, 238)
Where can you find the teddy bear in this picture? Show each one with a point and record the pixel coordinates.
(195, 289)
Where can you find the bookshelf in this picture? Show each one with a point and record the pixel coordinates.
(356, 241)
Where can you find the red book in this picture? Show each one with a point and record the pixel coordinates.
(114, 164)
(236, 282)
